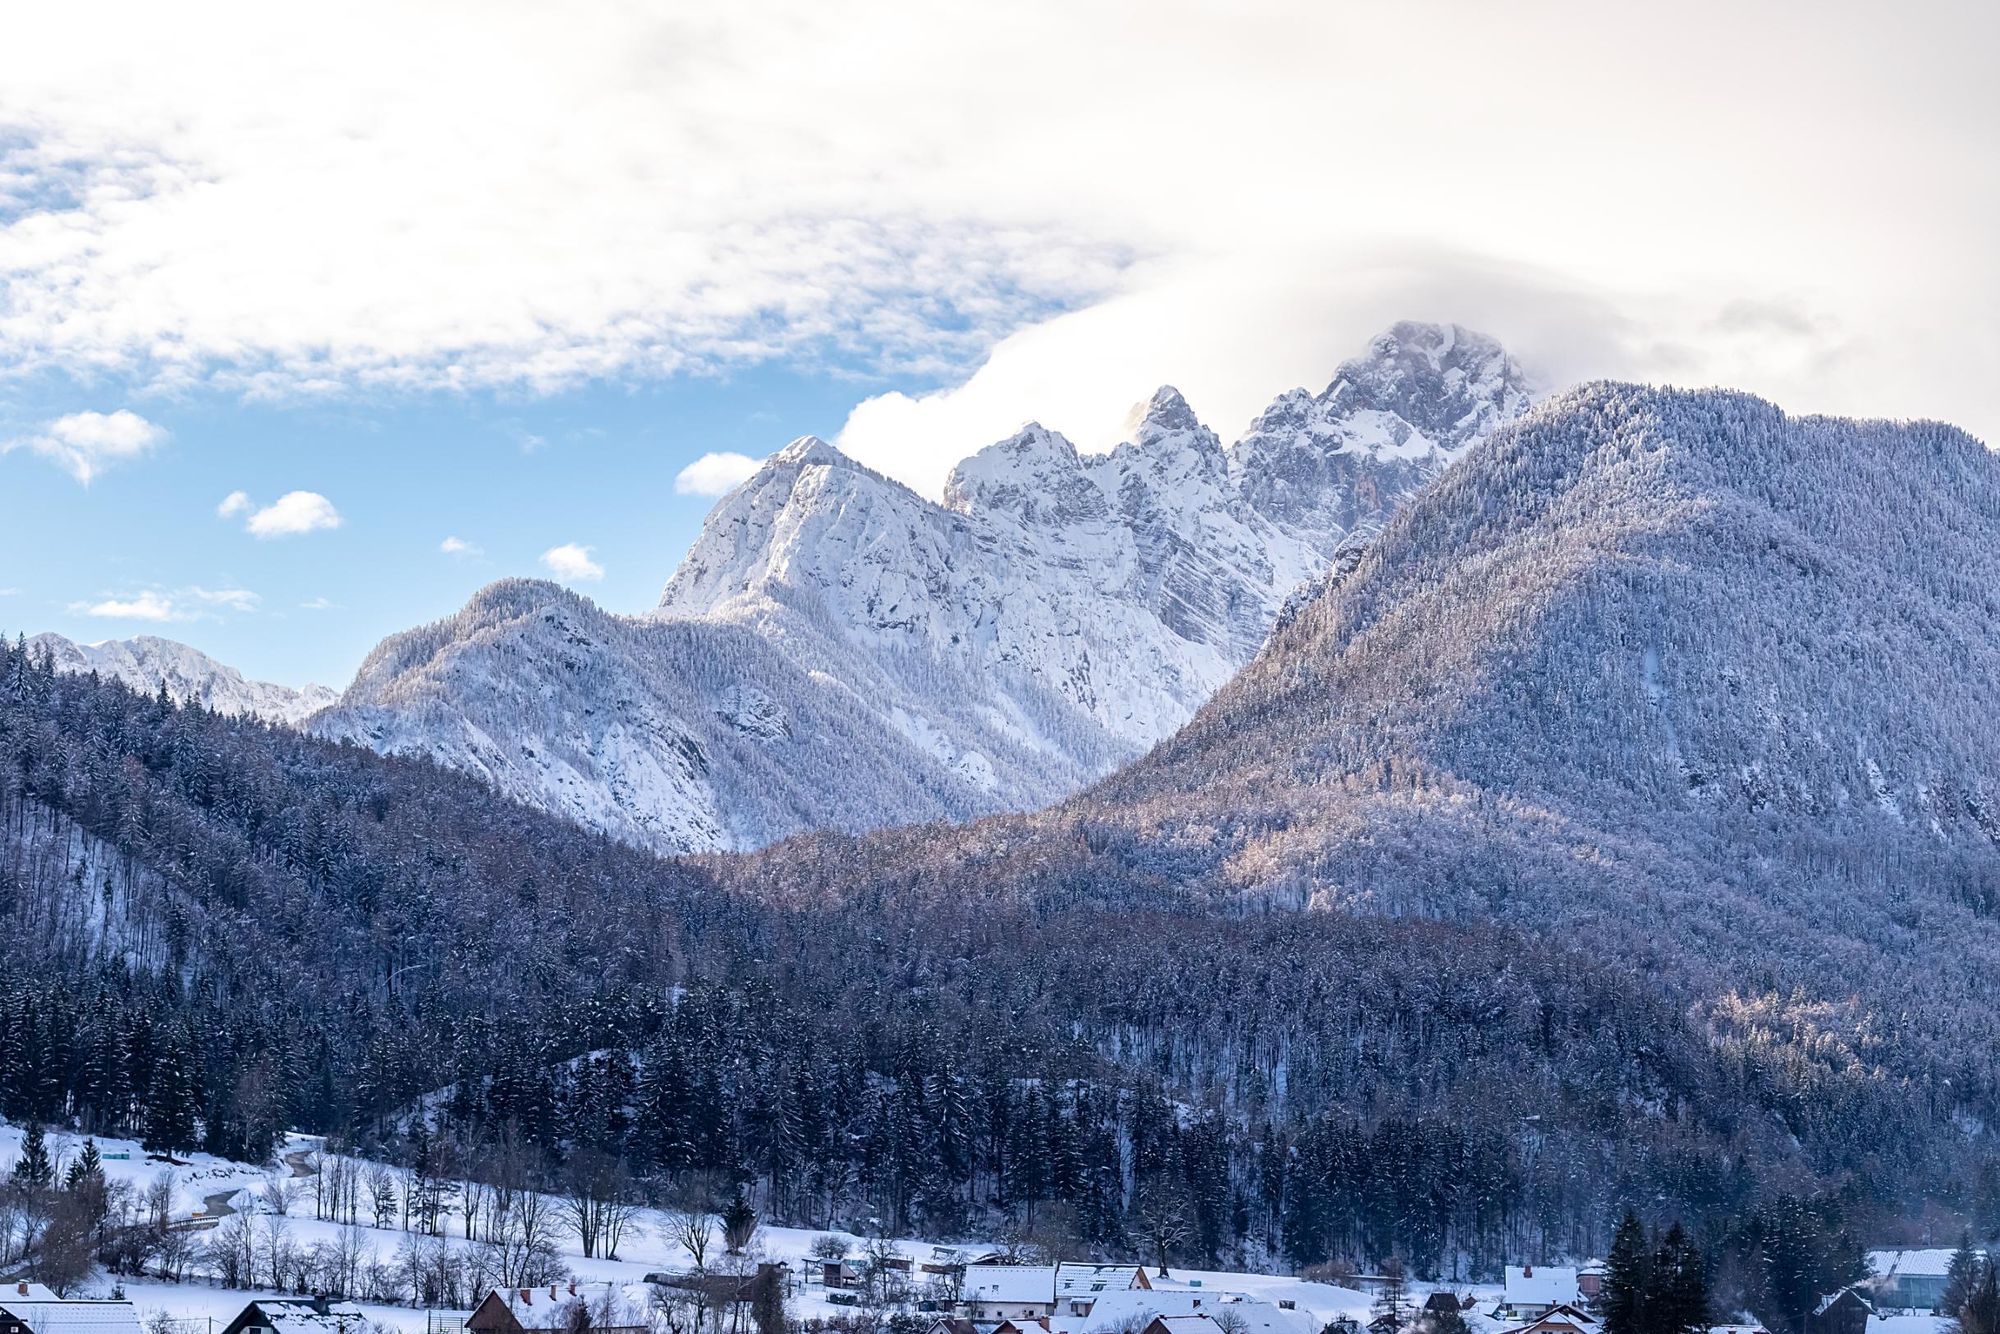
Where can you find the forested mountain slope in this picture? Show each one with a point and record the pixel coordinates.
(211, 929)
(147, 662)
(1670, 678)
(1056, 615)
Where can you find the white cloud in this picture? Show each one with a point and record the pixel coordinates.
(572, 562)
(521, 197)
(714, 474)
(293, 513)
(233, 504)
(183, 604)
(142, 606)
(458, 546)
(84, 444)
(319, 604)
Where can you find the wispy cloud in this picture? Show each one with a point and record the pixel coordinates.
(192, 603)
(84, 444)
(572, 562)
(235, 599)
(458, 546)
(714, 474)
(319, 604)
(233, 504)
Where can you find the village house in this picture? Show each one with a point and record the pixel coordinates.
(296, 1315)
(1563, 1319)
(1182, 1324)
(1007, 1292)
(1843, 1312)
(544, 1309)
(1909, 1280)
(30, 1308)
(1532, 1291)
(1079, 1287)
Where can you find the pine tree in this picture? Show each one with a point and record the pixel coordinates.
(87, 1169)
(1627, 1280)
(1678, 1291)
(34, 1169)
(1961, 1277)
(1981, 1312)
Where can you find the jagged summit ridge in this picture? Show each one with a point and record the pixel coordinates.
(1056, 615)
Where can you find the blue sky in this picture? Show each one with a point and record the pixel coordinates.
(307, 259)
(514, 475)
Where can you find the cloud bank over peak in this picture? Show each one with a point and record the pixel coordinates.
(515, 198)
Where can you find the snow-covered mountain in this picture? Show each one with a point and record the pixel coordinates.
(837, 651)
(146, 661)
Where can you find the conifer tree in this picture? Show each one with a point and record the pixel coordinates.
(1678, 1291)
(34, 1169)
(1961, 1277)
(1627, 1279)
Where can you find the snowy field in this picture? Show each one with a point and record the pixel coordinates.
(206, 1188)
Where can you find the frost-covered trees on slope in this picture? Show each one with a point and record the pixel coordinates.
(1667, 677)
(1056, 615)
(147, 662)
(211, 929)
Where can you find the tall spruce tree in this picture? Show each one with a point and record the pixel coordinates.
(1677, 1294)
(1961, 1277)
(34, 1168)
(1627, 1280)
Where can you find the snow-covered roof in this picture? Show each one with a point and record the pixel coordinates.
(25, 1291)
(1136, 1307)
(1830, 1298)
(1189, 1324)
(1009, 1283)
(300, 1316)
(1073, 1279)
(50, 1314)
(1930, 1262)
(1541, 1285)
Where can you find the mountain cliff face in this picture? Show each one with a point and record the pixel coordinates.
(1056, 615)
(189, 674)
(838, 652)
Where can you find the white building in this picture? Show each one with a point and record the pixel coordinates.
(1007, 1292)
(1533, 1291)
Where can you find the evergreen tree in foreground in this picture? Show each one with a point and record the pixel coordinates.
(1661, 1289)
(1961, 1277)
(1627, 1276)
(33, 1169)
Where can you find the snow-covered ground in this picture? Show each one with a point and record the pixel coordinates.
(205, 1187)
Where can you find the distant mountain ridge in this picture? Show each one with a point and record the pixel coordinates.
(190, 676)
(1056, 615)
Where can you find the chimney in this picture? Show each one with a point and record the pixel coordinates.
(319, 1303)
(552, 1292)
(23, 1289)
(572, 1287)
(1527, 1271)
(527, 1296)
